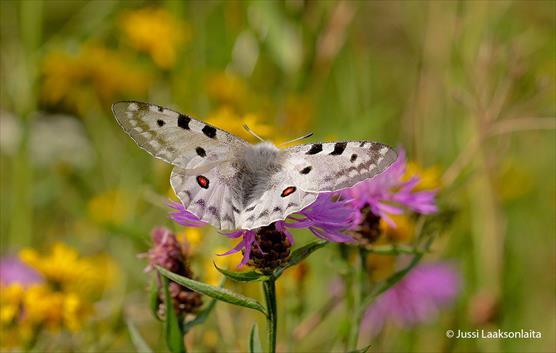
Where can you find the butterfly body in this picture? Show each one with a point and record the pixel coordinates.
(232, 184)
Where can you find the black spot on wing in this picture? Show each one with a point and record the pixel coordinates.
(201, 203)
(316, 148)
(159, 108)
(235, 209)
(277, 209)
(250, 208)
(209, 131)
(362, 144)
(183, 121)
(263, 214)
(339, 148)
(306, 170)
(291, 204)
(201, 152)
(160, 122)
(353, 158)
(214, 211)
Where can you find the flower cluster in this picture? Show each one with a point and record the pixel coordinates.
(416, 298)
(169, 253)
(157, 32)
(95, 71)
(54, 291)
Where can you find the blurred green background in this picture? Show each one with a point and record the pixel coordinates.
(466, 87)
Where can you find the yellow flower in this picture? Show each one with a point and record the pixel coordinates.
(298, 114)
(93, 72)
(226, 119)
(65, 270)
(401, 233)
(110, 207)
(429, 177)
(190, 235)
(380, 266)
(225, 88)
(228, 262)
(157, 32)
(10, 301)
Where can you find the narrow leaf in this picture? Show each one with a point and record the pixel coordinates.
(153, 298)
(201, 316)
(138, 341)
(255, 345)
(174, 338)
(242, 276)
(299, 255)
(222, 294)
(393, 249)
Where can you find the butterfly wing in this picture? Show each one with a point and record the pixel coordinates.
(280, 198)
(173, 137)
(202, 154)
(322, 167)
(210, 196)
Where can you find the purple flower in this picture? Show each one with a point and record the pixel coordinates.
(416, 298)
(387, 193)
(326, 218)
(12, 270)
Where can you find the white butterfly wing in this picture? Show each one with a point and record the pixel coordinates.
(210, 195)
(281, 198)
(202, 154)
(174, 137)
(322, 167)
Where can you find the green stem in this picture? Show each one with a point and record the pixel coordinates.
(269, 287)
(357, 293)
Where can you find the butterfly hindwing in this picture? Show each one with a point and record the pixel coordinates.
(281, 198)
(209, 195)
(174, 137)
(322, 167)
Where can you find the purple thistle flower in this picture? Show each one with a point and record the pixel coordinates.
(12, 270)
(416, 298)
(326, 218)
(387, 193)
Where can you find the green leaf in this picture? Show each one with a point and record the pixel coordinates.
(250, 276)
(153, 298)
(392, 249)
(138, 341)
(255, 345)
(222, 294)
(361, 350)
(201, 316)
(299, 255)
(174, 337)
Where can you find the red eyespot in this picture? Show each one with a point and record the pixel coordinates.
(203, 182)
(288, 191)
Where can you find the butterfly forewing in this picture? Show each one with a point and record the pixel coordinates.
(321, 167)
(174, 137)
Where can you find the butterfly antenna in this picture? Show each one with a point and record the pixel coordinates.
(297, 139)
(252, 132)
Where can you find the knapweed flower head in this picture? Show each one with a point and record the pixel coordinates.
(388, 194)
(169, 253)
(415, 299)
(326, 218)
